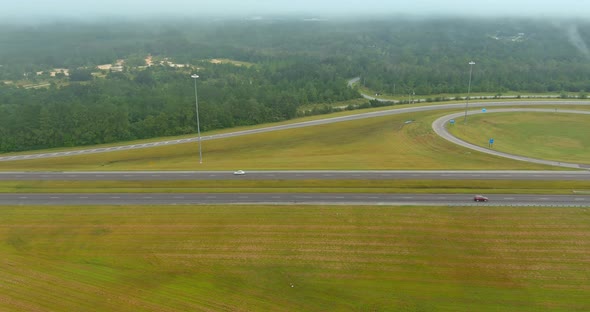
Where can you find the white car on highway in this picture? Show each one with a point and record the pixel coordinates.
(240, 172)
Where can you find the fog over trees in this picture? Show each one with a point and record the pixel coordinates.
(29, 10)
(260, 70)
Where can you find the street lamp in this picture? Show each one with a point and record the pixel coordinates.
(195, 77)
(468, 89)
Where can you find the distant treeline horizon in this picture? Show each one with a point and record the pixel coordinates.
(291, 63)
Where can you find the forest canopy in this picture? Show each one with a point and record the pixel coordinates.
(52, 92)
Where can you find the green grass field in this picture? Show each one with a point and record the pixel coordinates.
(376, 143)
(294, 258)
(560, 137)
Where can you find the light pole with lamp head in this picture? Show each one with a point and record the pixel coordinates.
(195, 77)
(468, 89)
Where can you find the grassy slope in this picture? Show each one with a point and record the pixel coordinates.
(235, 258)
(561, 137)
(377, 143)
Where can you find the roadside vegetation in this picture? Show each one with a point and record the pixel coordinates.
(389, 142)
(305, 258)
(300, 186)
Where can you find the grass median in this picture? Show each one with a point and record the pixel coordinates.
(299, 186)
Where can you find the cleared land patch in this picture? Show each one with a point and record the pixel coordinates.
(294, 258)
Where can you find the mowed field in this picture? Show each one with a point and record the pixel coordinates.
(560, 137)
(294, 258)
(394, 142)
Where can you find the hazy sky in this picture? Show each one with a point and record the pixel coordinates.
(24, 9)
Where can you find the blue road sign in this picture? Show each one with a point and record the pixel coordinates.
(484, 110)
(452, 121)
(491, 141)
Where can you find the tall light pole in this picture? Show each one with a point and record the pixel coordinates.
(195, 77)
(468, 89)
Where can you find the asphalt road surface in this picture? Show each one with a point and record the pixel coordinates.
(294, 175)
(293, 198)
(287, 126)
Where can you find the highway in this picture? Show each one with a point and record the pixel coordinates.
(394, 111)
(295, 175)
(576, 200)
(61, 199)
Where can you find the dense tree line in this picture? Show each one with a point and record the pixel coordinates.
(160, 101)
(296, 62)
